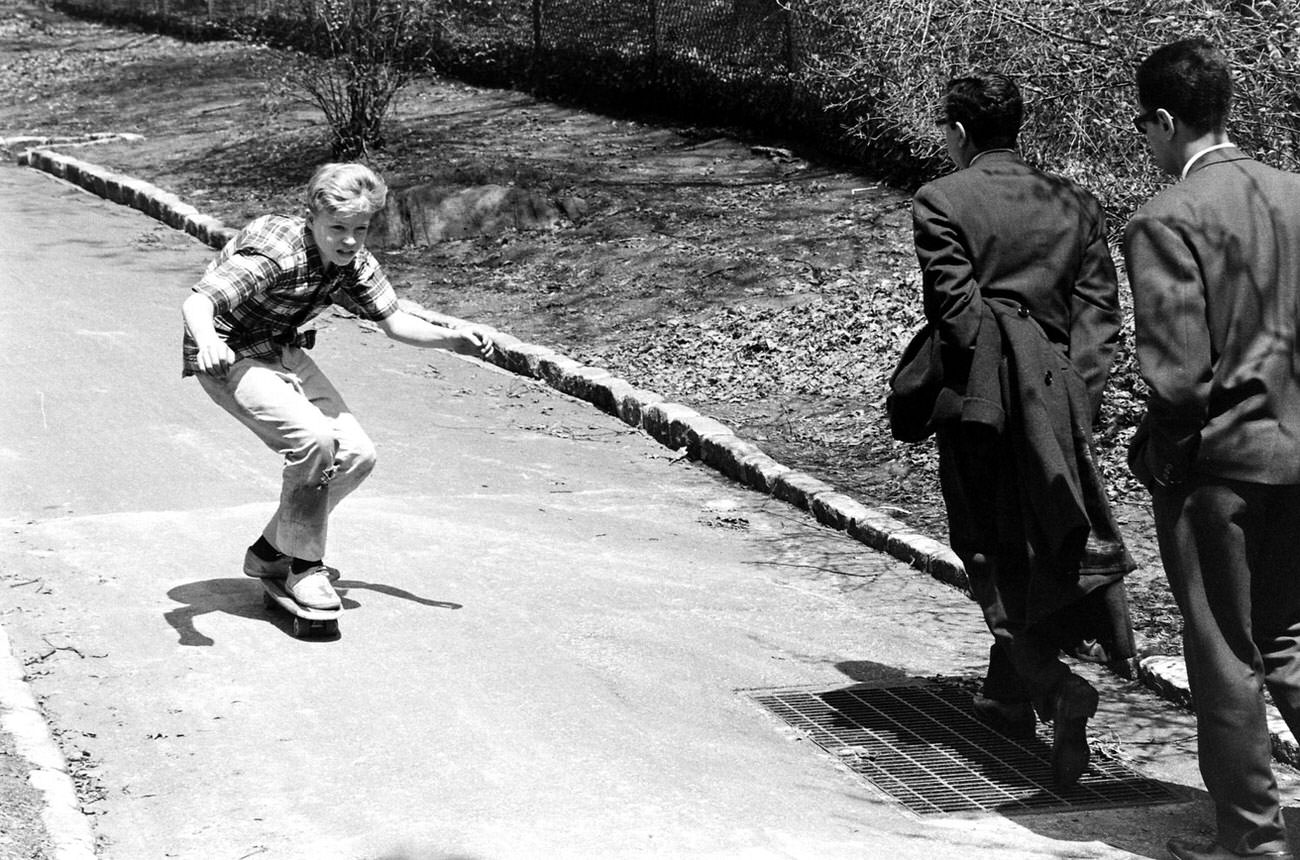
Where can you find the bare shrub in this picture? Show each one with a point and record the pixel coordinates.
(357, 55)
(884, 64)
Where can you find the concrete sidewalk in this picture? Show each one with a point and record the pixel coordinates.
(551, 618)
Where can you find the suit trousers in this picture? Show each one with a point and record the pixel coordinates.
(1229, 551)
(1024, 664)
(298, 413)
(985, 532)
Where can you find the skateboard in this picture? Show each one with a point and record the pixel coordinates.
(306, 621)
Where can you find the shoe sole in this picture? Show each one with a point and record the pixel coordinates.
(1181, 851)
(316, 606)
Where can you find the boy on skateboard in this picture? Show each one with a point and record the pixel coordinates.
(243, 343)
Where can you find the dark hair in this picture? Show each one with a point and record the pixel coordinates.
(989, 107)
(1190, 79)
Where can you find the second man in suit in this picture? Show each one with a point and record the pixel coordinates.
(1020, 294)
(1214, 264)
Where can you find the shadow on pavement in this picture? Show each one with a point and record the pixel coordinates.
(393, 591)
(865, 671)
(242, 597)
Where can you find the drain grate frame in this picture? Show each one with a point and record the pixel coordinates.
(919, 742)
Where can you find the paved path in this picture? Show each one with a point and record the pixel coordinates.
(549, 619)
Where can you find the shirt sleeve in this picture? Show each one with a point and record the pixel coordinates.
(1173, 343)
(1095, 314)
(372, 291)
(948, 282)
(232, 280)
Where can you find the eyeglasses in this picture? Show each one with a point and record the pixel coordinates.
(1140, 121)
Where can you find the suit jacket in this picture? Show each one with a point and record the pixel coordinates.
(1214, 265)
(1002, 229)
(1020, 289)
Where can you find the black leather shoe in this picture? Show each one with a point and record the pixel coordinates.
(1189, 849)
(1015, 720)
(1073, 703)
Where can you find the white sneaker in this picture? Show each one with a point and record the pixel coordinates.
(312, 588)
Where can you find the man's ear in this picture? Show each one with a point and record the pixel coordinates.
(962, 137)
(1167, 123)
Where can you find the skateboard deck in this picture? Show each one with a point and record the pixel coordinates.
(306, 621)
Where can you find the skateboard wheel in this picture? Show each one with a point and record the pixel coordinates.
(300, 628)
(329, 628)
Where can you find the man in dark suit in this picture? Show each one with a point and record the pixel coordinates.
(1020, 291)
(1214, 264)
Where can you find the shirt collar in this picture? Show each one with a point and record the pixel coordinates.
(985, 152)
(1188, 166)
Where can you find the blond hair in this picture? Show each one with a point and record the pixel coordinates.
(346, 189)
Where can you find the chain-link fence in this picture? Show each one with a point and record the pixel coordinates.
(857, 78)
(727, 36)
(712, 61)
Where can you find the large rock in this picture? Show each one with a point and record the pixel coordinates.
(425, 214)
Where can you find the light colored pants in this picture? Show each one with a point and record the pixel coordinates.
(299, 414)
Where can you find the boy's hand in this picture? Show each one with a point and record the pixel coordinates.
(479, 338)
(215, 358)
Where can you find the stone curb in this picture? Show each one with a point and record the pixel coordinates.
(68, 828)
(149, 199)
(1167, 676)
(674, 425)
(29, 141)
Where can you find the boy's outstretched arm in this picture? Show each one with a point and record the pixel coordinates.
(468, 339)
(215, 357)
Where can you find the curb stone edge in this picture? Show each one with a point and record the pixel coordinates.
(67, 827)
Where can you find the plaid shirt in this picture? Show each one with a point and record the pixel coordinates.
(268, 281)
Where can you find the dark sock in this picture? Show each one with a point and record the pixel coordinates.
(263, 550)
(298, 565)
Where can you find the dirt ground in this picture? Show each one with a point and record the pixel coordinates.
(766, 289)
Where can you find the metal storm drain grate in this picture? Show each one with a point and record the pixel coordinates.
(921, 744)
